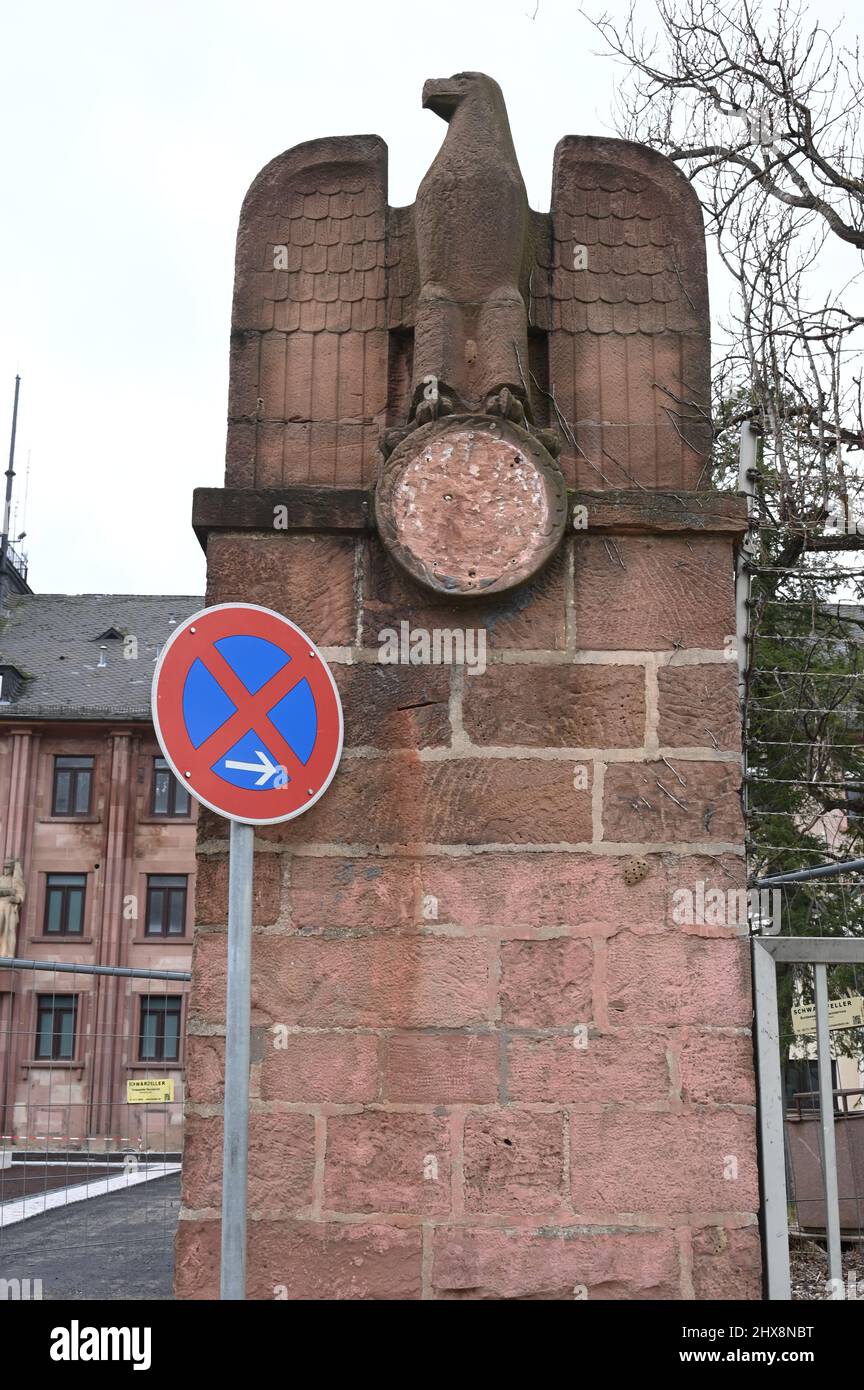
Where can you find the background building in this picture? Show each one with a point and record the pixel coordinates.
(105, 837)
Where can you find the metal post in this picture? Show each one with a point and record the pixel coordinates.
(771, 1123)
(820, 871)
(236, 1142)
(74, 968)
(746, 488)
(826, 1124)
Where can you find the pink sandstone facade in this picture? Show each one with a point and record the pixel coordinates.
(114, 848)
(487, 1063)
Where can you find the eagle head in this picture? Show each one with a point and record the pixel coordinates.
(443, 94)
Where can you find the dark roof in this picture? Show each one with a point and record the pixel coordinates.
(56, 641)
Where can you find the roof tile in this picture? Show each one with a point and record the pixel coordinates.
(53, 639)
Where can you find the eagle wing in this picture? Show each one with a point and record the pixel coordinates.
(619, 284)
(309, 342)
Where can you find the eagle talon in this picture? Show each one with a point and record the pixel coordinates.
(390, 439)
(506, 404)
(432, 409)
(550, 441)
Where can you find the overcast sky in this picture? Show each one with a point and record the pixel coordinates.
(131, 132)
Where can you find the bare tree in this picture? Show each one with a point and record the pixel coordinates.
(761, 109)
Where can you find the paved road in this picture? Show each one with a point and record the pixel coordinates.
(117, 1246)
(29, 1179)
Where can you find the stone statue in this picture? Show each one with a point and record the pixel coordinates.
(12, 893)
(469, 355)
(471, 224)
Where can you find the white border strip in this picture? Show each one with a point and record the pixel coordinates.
(22, 1208)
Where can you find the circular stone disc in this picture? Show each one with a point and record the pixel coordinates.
(469, 505)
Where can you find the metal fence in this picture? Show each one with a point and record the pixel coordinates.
(805, 1187)
(91, 1128)
(801, 670)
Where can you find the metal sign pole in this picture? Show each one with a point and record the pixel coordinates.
(236, 1138)
(826, 1124)
(201, 700)
(775, 1216)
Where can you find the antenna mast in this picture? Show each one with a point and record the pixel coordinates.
(10, 476)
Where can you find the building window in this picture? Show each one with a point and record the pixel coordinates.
(801, 1084)
(170, 798)
(64, 904)
(166, 904)
(55, 1027)
(11, 681)
(159, 1038)
(73, 783)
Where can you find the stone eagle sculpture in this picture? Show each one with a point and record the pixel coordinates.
(355, 323)
(472, 235)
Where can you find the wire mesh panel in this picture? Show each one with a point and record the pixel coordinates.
(804, 804)
(807, 1214)
(91, 1129)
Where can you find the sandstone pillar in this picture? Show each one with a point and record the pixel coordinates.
(491, 1059)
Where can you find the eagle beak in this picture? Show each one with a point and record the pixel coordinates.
(438, 96)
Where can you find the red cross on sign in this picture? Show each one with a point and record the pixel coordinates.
(247, 713)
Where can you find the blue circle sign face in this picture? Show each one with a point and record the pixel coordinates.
(247, 713)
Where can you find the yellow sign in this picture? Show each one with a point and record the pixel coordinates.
(149, 1092)
(842, 1013)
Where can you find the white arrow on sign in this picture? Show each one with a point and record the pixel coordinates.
(264, 766)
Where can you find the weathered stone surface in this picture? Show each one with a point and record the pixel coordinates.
(212, 828)
(476, 256)
(445, 483)
(512, 891)
(368, 983)
(717, 1068)
(561, 1265)
(653, 593)
(627, 1161)
(329, 509)
(309, 578)
(621, 510)
(441, 1068)
(313, 1067)
(395, 706)
(727, 1263)
(513, 1162)
(664, 980)
(387, 1162)
(695, 881)
(211, 889)
(615, 337)
(531, 617)
(397, 801)
(557, 706)
(303, 508)
(205, 1069)
(546, 984)
(687, 801)
(342, 893)
(579, 890)
(612, 1067)
(281, 1167)
(305, 1260)
(699, 706)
